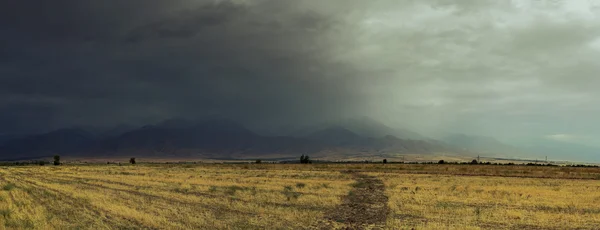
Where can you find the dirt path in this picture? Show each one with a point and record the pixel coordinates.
(365, 206)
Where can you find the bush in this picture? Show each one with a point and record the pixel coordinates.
(385, 161)
(441, 162)
(8, 187)
(258, 161)
(132, 160)
(474, 162)
(5, 213)
(289, 193)
(300, 185)
(305, 159)
(56, 160)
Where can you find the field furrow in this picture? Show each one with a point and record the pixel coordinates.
(280, 196)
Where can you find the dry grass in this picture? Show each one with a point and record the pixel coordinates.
(166, 197)
(474, 202)
(289, 196)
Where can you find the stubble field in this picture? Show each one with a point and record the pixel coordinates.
(292, 196)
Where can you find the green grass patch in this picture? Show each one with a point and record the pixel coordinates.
(9, 186)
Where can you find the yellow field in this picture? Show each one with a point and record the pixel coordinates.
(107, 197)
(473, 202)
(286, 196)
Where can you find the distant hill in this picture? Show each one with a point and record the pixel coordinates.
(62, 141)
(117, 130)
(479, 144)
(368, 127)
(335, 135)
(211, 139)
(342, 137)
(362, 126)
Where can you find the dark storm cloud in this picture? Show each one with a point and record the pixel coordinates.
(120, 61)
(510, 69)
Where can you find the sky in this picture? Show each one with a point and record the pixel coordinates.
(514, 70)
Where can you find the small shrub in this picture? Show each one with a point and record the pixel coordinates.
(289, 193)
(5, 212)
(385, 161)
(132, 160)
(441, 162)
(8, 187)
(258, 161)
(474, 162)
(300, 185)
(212, 189)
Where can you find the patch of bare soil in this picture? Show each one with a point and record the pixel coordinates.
(365, 206)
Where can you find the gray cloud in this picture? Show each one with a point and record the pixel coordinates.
(155, 61)
(511, 69)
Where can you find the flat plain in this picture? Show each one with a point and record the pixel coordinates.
(294, 196)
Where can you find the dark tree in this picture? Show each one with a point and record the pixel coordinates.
(385, 161)
(258, 161)
(441, 162)
(132, 160)
(305, 159)
(56, 160)
(474, 162)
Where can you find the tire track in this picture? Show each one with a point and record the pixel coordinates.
(365, 206)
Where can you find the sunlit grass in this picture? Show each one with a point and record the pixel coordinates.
(473, 202)
(106, 197)
(291, 196)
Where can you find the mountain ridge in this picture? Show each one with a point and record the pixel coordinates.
(210, 138)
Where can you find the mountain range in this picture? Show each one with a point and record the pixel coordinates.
(226, 139)
(223, 139)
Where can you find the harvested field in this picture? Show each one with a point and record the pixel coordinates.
(107, 197)
(290, 196)
(474, 202)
